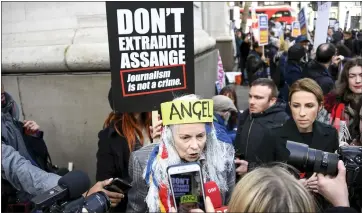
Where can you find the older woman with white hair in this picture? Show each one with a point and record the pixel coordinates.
(189, 138)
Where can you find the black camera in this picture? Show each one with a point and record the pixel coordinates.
(312, 160)
(95, 203)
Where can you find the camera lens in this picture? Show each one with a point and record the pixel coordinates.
(311, 160)
(326, 163)
(97, 203)
(298, 156)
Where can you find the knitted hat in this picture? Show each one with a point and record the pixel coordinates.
(223, 103)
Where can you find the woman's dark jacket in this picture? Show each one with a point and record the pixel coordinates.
(113, 158)
(325, 137)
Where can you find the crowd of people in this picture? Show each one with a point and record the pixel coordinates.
(295, 94)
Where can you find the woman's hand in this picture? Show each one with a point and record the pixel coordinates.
(208, 207)
(334, 189)
(312, 183)
(156, 129)
(115, 197)
(31, 126)
(242, 166)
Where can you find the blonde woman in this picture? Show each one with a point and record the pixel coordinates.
(275, 189)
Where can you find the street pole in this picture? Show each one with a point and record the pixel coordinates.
(245, 16)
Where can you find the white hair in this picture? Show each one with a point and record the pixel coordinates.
(219, 159)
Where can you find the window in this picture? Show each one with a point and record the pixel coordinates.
(357, 3)
(273, 3)
(286, 14)
(281, 14)
(260, 12)
(277, 15)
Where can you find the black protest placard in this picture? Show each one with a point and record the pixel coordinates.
(151, 47)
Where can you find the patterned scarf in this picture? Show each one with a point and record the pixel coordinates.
(219, 158)
(337, 114)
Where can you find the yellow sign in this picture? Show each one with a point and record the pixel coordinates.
(183, 112)
(304, 31)
(295, 32)
(295, 29)
(189, 199)
(263, 37)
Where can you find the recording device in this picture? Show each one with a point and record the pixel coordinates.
(187, 186)
(312, 160)
(70, 186)
(118, 185)
(95, 203)
(67, 196)
(213, 192)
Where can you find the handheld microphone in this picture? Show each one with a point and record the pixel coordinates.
(213, 192)
(70, 186)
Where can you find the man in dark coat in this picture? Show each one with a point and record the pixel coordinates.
(317, 69)
(255, 64)
(351, 43)
(296, 60)
(264, 112)
(244, 52)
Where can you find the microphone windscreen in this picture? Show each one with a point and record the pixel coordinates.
(77, 182)
(213, 192)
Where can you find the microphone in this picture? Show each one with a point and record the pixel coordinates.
(213, 192)
(70, 186)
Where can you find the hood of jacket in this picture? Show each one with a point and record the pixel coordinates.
(10, 106)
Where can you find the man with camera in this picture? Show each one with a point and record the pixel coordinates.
(26, 177)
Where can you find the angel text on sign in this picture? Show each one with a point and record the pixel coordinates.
(191, 109)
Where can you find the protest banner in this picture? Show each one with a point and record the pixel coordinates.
(303, 22)
(151, 48)
(221, 81)
(295, 29)
(183, 112)
(263, 29)
(321, 29)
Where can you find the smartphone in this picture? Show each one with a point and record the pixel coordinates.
(117, 185)
(187, 186)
